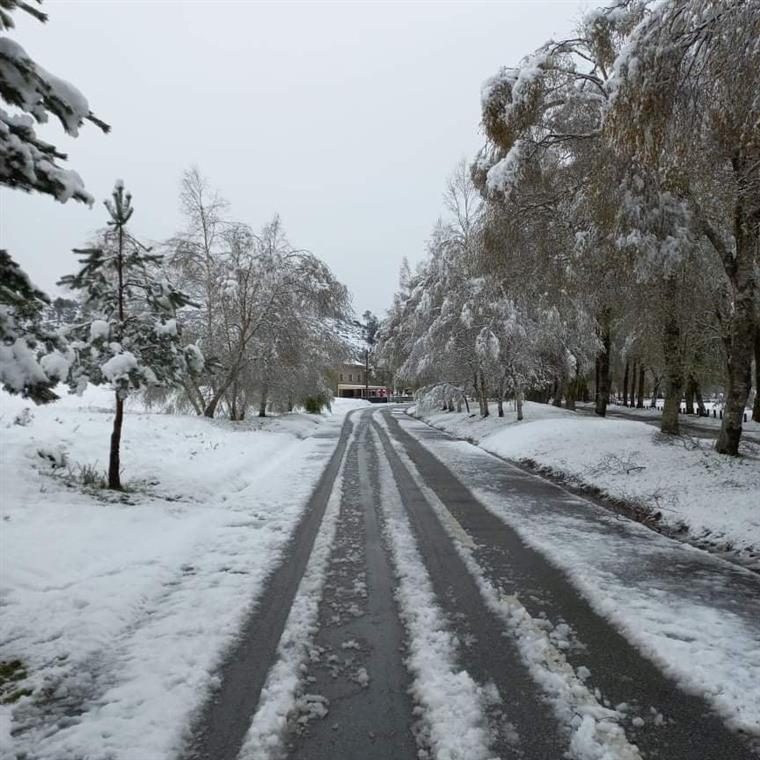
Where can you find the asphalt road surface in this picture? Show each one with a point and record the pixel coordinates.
(357, 674)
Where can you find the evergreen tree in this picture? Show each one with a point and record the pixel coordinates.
(130, 338)
(32, 358)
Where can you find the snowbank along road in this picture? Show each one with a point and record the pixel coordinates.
(438, 603)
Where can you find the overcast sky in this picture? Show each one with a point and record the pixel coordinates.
(346, 118)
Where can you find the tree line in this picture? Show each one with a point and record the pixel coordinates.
(608, 231)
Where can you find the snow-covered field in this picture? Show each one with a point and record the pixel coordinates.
(100, 596)
(713, 497)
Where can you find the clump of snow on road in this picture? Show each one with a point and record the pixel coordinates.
(100, 594)
(595, 733)
(452, 703)
(279, 696)
(692, 487)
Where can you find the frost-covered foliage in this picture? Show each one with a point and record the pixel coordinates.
(267, 310)
(620, 182)
(33, 357)
(461, 322)
(130, 338)
(26, 161)
(685, 107)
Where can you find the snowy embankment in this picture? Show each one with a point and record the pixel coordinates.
(680, 483)
(101, 595)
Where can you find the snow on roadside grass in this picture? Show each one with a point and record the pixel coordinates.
(100, 598)
(453, 705)
(594, 730)
(713, 496)
(279, 695)
(694, 615)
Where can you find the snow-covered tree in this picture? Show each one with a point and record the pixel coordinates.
(130, 339)
(685, 105)
(31, 356)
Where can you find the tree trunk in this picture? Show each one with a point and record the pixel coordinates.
(114, 465)
(671, 346)
(263, 404)
(701, 411)
(741, 271)
(625, 384)
(557, 392)
(756, 405)
(571, 393)
(194, 395)
(655, 391)
(484, 412)
(603, 365)
(519, 396)
(689, 395)
(640, 399)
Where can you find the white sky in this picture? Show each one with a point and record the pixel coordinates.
(346, 118)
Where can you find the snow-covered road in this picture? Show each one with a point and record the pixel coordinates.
(525, 622)
(416, 597)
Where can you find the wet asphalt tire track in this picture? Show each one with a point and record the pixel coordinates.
(523, 725)
(220, 728)
(359, 634)
(690, 731)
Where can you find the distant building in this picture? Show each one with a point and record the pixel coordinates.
(352, 383)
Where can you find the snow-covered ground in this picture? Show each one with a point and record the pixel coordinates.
(713, 497)
(100, 596)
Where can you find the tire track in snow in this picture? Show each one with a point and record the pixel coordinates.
(452, 704)
(221, 726)
(664, 718)
(595, 730)
(521, 718)
(355, 674)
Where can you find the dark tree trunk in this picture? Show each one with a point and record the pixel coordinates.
(571, 392)
(640, 395)
(633, 383)
(557, 392)
(596, 381)
(655, 391)
(756, 405)
(741, 272)
(114, 464)
(625, 384)
(689, 395)
(263, 404)
(700, 401)
(484, 412)
(671, 345)
(519, 396)
(603, 365)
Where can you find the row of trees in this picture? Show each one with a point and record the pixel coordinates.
(219, 319)
(610, 221)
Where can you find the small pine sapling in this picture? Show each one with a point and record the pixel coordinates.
(130, 338)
